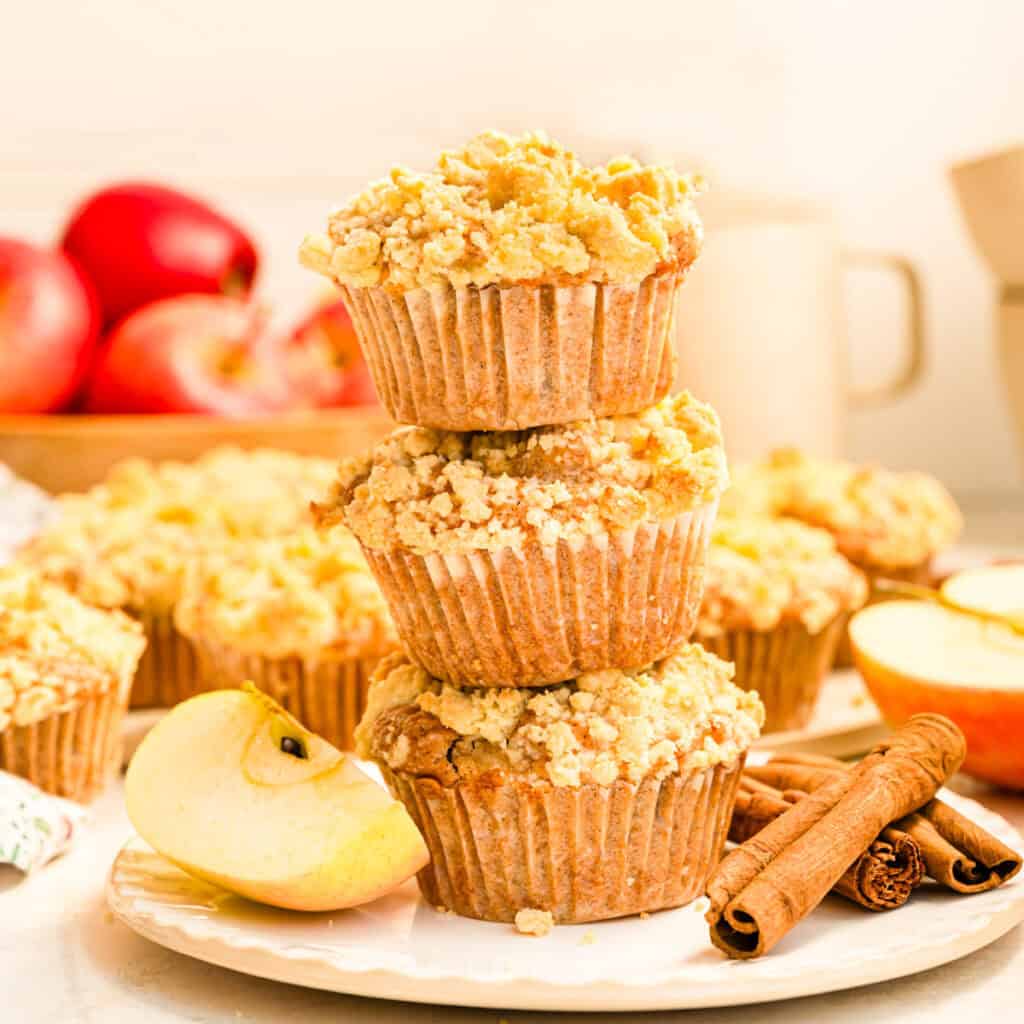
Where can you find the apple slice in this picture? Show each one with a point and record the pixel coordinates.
(233, 790)
(918, 656)
(998, 589)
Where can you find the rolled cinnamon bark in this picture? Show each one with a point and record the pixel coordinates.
(766, 886)
(881, 878)
(958, 853)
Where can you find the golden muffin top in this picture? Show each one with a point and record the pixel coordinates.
(761, 572)
(679, 714)
(428, 490)
(55, 651)
(508, 210)
(307, 593)
(880, 519)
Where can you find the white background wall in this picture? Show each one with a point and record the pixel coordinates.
(279, 109)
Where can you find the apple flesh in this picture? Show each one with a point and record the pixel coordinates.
(998, 589)
(916, 656)
(192, 354)
(140, 242)
(233, 790)
(49, 323)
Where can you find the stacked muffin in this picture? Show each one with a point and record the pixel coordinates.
(540, 534)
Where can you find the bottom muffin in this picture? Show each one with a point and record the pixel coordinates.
(776, 601)
(602, 797)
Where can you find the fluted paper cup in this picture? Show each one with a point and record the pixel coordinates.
(167, 673)
(507, 358)
(327, 695)
(546, 613)
(786, 666)
(500, 844)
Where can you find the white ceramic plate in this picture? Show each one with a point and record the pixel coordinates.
(400, 948)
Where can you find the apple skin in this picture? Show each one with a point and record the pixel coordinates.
(211, 789)
(49, 326)
(191, 354)
(325, 363)
(140, 242)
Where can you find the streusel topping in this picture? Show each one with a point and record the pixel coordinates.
(680, 713)
(55, 651)
(429, 490)
(308, 593)
(879, 518)
(506, 210)
(127, 542)
(761, 572)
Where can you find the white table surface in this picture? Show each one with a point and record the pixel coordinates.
(65, 960)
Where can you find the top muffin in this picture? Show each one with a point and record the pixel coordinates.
(506, 210)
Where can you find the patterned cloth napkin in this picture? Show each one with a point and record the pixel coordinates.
(34, 827)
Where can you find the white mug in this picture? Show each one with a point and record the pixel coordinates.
(761, 325)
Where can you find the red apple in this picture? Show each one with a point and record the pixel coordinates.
(140, 242)
(324, 362)
(190, 354)
(49, 322)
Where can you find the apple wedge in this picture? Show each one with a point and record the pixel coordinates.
(233, 790)
(919, 656)
(998, 589)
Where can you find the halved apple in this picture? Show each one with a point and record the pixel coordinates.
(918, 656)
(235, 791)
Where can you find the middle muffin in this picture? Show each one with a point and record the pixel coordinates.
(530, 557)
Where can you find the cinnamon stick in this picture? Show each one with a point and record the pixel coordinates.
(767, 885)
(958, 853)
(881, 878)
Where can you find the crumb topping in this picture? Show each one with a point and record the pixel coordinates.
(309, 593)
(680, 713)
(879, 518)
(505, 210)
(530, 921)
(763, 571)
(127, 542)
(55, 650)
(428, 490)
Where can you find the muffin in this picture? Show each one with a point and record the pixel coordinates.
(65, 674)
(530, 557)
(601, 797)
(776, 598)
(888, 524)
(127, 542)
(299, 615)
(513, 287)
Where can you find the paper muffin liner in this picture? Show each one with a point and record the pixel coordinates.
(167, 673)
(786, 666)
(920, 573)
(590, 853)
(72, 753)
(505, 358)
(327, 696)
(546, 613)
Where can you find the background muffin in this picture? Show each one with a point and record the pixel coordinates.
(524, 558)
(777, 595)
(65, 675)
(299, 615)
(512, 286)
(601, 797)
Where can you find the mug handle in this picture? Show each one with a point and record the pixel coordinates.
(913, 363)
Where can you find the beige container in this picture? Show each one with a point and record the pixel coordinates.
(762, 335)
(507, 358)
(499, 844)
(545, 613)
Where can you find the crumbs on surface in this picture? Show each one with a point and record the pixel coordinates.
(880, 518)
(505, 210)
(306, 593)
(429, 490)
(127, 542)
(679, 714)
(530, 921)
(55, 651)
(763, 571)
